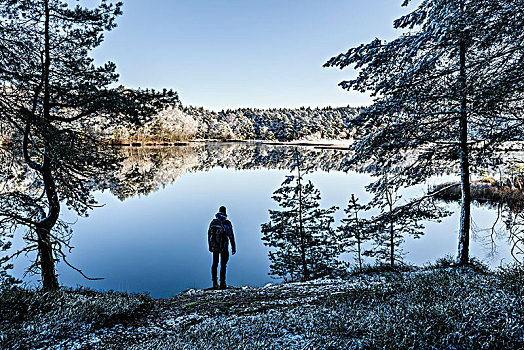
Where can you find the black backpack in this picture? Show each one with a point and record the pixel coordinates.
(216, 235)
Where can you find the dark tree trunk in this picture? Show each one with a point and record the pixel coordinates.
(45, 225)
(47, 261)
(359, 249)
(305, 269)
(389, 197)
(359, 253)
(465, 198)
(392, 247)
(357, 236)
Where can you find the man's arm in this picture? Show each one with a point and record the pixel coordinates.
(232, 239)
(209, 238)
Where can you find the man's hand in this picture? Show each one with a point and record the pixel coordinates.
(233, 251)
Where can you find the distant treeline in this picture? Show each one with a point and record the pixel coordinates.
(145, 171)
(184, 123)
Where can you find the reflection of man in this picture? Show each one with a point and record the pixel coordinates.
(219, 234)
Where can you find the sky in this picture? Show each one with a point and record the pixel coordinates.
(245, 53)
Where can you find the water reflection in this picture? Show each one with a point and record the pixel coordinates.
(509, 225)
(151, 234)
(149, 169)
(515, 227)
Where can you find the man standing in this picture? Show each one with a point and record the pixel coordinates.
(219, 234)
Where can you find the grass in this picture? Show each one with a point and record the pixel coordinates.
(437, 308)
(449, 261)
(487, 190)
(33, 318)
(380, 268)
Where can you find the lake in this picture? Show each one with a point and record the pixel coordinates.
(151, 233)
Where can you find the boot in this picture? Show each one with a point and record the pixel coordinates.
(223, 285)
(215, 285)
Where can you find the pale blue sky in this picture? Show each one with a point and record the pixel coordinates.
(245, 53)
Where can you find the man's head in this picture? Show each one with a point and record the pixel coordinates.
(222, 210)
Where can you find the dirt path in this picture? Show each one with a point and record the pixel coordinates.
(193, 306)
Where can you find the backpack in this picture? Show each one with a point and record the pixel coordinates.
(216, 235)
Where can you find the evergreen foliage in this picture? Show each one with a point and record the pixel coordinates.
(447, 92)
(387, 229)
(274, 124)
(305, 244)
(393, 222)
(178, 123)
(355, 230)
(53, 99)
(397, 220)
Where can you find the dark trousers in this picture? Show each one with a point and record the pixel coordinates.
(224, 257)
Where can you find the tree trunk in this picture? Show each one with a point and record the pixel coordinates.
(47, 261)
(359, 249)
(47, 62)
(465, 198)
(301, 226)
(359, 254)
(357, 235)
(391, 229)
(392, 242)
(45, 225)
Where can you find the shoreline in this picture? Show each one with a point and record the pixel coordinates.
(484, 191)
(320, 144)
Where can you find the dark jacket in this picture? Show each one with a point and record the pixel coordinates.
(230, 236)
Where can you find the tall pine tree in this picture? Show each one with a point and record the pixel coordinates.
(391, 224)
(447, 92)
(355, 230)
(301, 234)
(397, 220)
(52, 99)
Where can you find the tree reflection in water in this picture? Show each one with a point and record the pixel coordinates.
(147, 170)
(148, 227)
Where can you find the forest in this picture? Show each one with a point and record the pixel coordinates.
(178, 123)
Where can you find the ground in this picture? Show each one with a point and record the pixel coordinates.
(443, 307)
(178, 314)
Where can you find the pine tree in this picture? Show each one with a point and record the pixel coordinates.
(51, 97)
(304, 242)
(447, 92)
(395, 220)
(355, 230)
(281, 124)
(390, 226)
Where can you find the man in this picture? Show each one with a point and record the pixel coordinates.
(219, 234)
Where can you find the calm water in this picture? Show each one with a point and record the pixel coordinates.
(150, 235)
